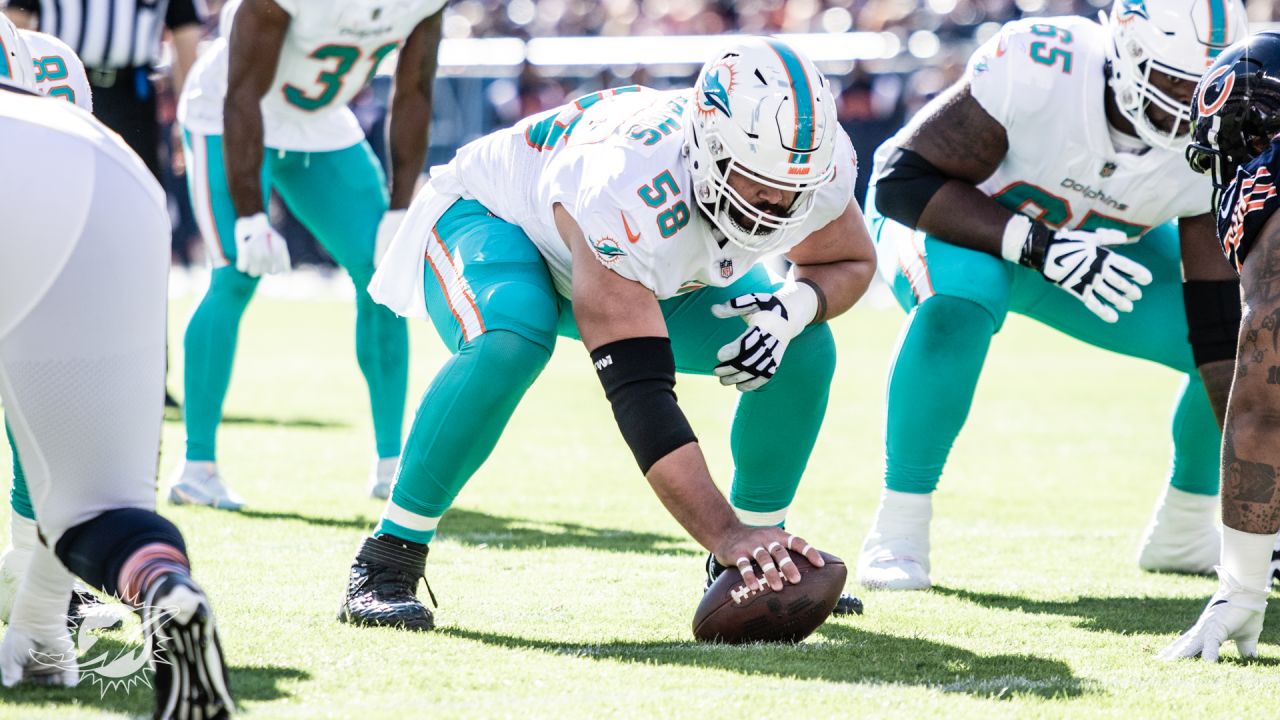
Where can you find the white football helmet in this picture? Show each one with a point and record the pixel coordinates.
(1180, 38)
(15, 58)
(764, 111)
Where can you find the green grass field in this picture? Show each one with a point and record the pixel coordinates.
(566, 590)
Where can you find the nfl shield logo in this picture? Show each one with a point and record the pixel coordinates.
(1108, 169)
(726, 268)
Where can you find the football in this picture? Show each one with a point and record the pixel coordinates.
(730, 612)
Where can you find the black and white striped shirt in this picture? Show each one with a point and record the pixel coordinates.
(112, 34)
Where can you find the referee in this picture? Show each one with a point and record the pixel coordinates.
(119, 43)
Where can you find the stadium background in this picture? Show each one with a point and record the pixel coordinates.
(501, 61)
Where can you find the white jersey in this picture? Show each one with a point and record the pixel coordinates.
(1043, 80)
(59, 72)
(331, 51)
(613, 160)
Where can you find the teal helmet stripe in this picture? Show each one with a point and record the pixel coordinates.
(801, 95)
(1217, 26)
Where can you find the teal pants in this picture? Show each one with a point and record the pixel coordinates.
(958, 298)
(340, 196)
(502, 324)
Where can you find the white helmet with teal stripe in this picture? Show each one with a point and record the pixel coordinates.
(15, 58)
(763, 111)
(1177, 38)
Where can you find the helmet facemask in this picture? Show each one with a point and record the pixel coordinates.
(1136, 94)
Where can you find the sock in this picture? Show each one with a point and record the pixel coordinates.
(210, 347)
(458, 423)
(931, 385)
(147, 564)
(40, 607)
(775, 428)
(1197, 441)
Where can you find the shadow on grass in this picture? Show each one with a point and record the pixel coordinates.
(360, 522)
(1121, 615)
(248, 684)
(849, 655)
(476, 528)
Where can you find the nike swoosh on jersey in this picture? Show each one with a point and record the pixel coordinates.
(632, 237)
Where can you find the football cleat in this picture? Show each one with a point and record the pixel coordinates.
(46, 662)
(190, 677)
(87, 606)
(895, 554)
(1275, 562)
(382, 586)
(199, 483)
(846, 605)
(383, 477)
(1183, 535)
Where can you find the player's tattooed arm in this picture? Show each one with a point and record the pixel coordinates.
(410, 123)
(957, 136)
(256, 39)
(1203, 263)
(1251, 440)
(838, 260)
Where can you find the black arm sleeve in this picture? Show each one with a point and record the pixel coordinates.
(1213, 318)
(906, 185)
(639, 378)
(185, 12)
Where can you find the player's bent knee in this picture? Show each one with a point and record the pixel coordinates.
(947, 320)
(811, 355)
(97, 549)
(229, 284)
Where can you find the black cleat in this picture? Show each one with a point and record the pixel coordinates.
(85, 605)
(382, 587)
(846, 605)
(190, 678)
(169, 401)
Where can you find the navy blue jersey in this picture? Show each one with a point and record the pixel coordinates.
(1247, 204)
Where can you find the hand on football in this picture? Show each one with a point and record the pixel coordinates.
(259, 248)
(762, 552)
(1233, 613)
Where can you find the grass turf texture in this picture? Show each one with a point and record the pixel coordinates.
(566, 590)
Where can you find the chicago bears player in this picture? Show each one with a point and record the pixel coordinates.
(1237, 126)
(1010, 192)
(83, 276)
(266, 107)
(634, 220)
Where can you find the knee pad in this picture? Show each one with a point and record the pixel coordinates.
(526, 309)
(97, 549)
(949, 317)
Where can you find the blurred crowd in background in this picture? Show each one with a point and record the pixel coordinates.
(874, 97)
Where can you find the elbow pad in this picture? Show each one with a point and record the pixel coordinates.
(639, 378)
(1213, 318)
(906, 186)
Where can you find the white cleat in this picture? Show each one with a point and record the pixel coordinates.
(895, 555)
(1183, 535)
(198, 483)
(383, 477)
(49, 662)
(23, 539)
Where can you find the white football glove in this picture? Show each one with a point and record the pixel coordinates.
(1233, 613)
(773, 320)
(259, 248)
(387, 228)
(1079, 262)
(50, 661)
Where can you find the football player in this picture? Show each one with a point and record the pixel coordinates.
(633, 220)
(83, 276)
(57, 72)
(1237, 125)
(1049, 182)
(266, 108)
